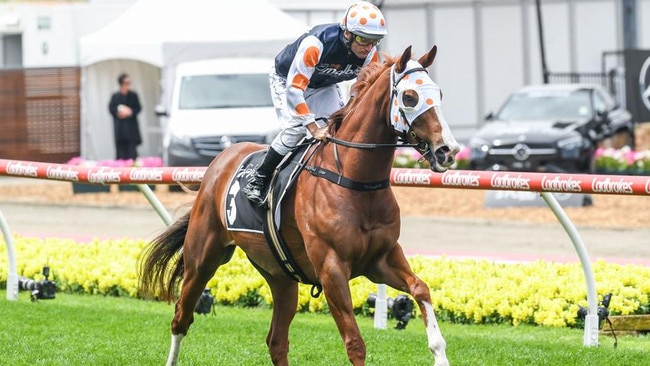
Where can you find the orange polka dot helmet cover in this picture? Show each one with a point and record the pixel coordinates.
(364, 19)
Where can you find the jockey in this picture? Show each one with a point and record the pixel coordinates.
(304, 82)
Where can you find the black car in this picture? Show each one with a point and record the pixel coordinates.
(551, 127)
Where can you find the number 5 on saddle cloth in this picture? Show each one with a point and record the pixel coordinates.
(243, 215)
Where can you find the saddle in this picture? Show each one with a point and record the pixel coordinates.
(243, 215)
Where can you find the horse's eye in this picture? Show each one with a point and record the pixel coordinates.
(410, 98)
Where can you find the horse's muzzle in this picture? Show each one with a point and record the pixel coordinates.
(442, 158)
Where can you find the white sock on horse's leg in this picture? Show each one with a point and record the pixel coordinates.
(174, 349)
(437, 343)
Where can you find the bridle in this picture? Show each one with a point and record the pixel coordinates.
(404, 114)
(401, 134)
(421, 146)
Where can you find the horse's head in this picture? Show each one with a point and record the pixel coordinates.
(416, 111)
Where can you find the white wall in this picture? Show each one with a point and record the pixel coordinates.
(556, 23)
(643, 23)
(69, 22)
(402, 25)
(454, 67)
(501, 36)
(44, 48)
(597, 28)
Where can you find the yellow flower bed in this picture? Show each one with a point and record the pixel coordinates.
(471, 291)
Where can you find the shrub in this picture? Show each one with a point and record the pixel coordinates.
(466, 291)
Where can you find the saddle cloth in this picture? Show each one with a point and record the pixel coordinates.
(242, 214)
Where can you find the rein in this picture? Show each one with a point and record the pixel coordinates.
(363, 145)
(338, 178)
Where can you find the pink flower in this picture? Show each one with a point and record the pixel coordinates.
(414, 154)
(463, 154)
(77, 160)
(629, 156)
(149, 162)
(115, 163)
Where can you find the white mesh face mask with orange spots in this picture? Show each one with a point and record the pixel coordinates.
(415, 78)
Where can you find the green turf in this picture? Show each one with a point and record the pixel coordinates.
(96, 330)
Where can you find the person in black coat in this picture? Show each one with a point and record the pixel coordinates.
(124, 107)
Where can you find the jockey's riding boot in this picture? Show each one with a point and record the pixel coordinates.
(257, 188)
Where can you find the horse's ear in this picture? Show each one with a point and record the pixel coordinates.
(401, 64)
(427, 59)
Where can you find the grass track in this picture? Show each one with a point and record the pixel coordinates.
(95, 330)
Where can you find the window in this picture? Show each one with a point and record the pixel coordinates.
(225, 91)
(600, 96)
(546, 105)
(12, 51)
(44, 23)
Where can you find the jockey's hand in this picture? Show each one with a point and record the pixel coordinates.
(319, 133)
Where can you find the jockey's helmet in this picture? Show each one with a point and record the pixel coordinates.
(365, 20)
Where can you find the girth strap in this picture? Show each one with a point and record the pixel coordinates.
(279, 248)
(346, 182)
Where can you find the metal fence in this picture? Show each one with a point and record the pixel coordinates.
(614, 81)
(40, 114)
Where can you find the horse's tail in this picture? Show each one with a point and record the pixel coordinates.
(161, 263)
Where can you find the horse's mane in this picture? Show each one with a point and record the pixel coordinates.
(367, 76)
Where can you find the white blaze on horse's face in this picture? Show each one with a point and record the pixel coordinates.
(415, 80)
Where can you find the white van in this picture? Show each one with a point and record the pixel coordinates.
(214, 104)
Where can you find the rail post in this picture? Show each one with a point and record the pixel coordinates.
(12, 275)
(591, 320)
(381, 307)
(155, 203)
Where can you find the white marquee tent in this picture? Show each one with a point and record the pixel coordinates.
(153, 36)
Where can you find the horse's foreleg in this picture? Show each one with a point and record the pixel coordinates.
(334, 277)
(395, 271)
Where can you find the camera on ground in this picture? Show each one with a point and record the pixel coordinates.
(40, 290)
(206, 303)
(400, 308)
(603, 310)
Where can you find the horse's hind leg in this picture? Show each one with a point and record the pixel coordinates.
(395, 271)
(203, 252)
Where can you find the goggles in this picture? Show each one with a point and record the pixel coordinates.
(365, 41)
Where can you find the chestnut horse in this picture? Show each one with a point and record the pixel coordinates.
(334, 233)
